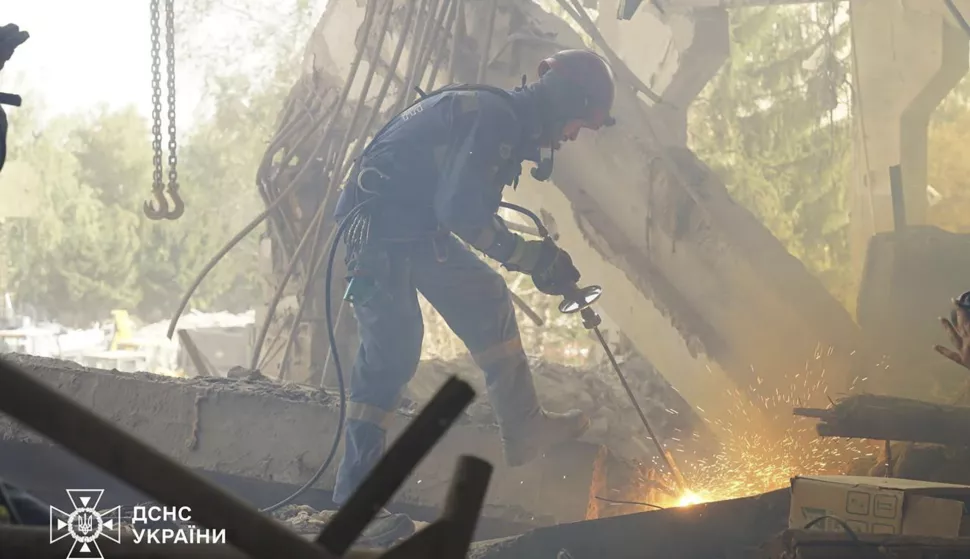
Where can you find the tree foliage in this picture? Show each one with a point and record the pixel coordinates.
(772, 124)
(948, 165)
(89, 248)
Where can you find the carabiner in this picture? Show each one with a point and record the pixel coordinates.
(363, 172)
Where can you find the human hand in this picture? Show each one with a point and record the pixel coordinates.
(958, 328)
(560, 277)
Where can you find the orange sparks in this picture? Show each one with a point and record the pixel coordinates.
(764, 445)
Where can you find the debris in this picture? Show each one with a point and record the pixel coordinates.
(872, 505)
(596, 391)
(807, 544)
(870, 416)
(721, 529)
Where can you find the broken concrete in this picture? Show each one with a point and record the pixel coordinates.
(910, 278)
(257, 429)
(908, 55)
(597, 392)
(703, 290)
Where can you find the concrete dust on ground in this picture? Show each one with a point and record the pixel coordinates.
(595, 390)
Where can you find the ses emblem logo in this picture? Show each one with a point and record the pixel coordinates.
(85, 524)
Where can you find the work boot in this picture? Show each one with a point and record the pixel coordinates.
(386, 529)
(527, 429)
(544, 430)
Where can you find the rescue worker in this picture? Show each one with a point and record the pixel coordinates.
(435, 175)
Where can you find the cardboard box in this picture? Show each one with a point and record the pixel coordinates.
(876, 505)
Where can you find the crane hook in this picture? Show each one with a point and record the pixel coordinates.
(179, 208)
(153, 213)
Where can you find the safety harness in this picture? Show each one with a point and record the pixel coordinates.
(365, 265)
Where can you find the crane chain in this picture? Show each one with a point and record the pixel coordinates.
(161, 208)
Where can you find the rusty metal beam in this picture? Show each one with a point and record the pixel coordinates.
(202, 366)
(721, 529)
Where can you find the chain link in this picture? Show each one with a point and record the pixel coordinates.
(173, 184)
(157, 185)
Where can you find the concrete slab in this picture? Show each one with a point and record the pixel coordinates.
(261, 430)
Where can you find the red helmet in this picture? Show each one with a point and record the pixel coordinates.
(591, 75)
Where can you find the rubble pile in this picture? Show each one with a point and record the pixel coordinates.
(307, 521)
(596, 390)
(303, 519)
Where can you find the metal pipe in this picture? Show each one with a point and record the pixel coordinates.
(664, 455)
(425, 47)
(898, 197)
(527, 310)
(578, 13)
(331, 186)
(341, 167)
(490, 30)
(413, 54)
(523, 229)
(434, 50)
(352, 74)
(391, 73)
(458, 32)
(955, 12)
(450, 29)
(338, 106)
(101, 443)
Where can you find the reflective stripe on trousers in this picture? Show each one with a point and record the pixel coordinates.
(475, 303)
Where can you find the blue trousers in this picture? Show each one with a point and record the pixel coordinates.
(475, 303)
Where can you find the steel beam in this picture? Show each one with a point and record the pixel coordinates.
(722, 529)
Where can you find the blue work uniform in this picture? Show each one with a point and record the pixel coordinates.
(440, 168)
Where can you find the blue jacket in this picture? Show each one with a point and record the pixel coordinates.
(447, 160)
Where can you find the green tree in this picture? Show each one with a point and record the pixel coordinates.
(772, 124)
(73, 253)
(91, 248)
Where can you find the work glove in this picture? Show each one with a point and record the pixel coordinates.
(551, 267)
(559, 278)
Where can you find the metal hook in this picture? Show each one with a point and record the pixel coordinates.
(149, 208)
(179, 208)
